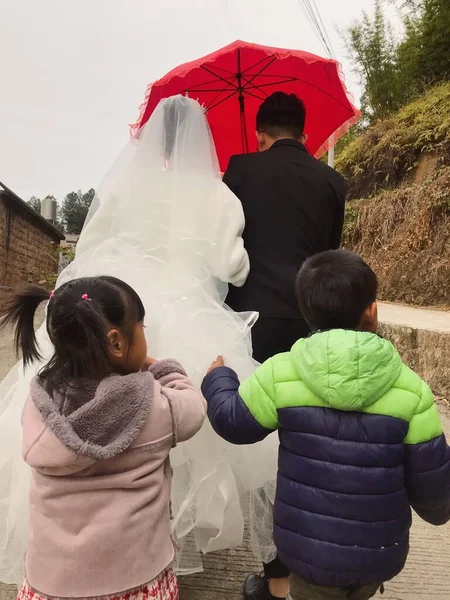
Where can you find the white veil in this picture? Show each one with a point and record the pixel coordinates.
(164, 193)
(158, 222)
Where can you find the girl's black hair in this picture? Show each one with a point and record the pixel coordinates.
(80, 314)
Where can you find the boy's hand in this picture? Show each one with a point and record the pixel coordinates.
(219, 362)
(148, 362)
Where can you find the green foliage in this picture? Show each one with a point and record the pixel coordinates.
(350, 222)
(434, 57)
(35, 204)
(346, 140)
(384, 154)
(411, 77)
(372, 46)
(74, 210)
(392, 73)
(72, 214)
(48, 279)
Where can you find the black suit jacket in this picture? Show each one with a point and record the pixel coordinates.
(294, 208)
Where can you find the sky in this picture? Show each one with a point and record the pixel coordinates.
(74, 72)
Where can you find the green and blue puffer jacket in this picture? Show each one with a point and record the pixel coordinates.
(361, 443)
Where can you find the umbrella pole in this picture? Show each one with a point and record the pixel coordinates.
(331, 152)
(241, 99)
(331, 157)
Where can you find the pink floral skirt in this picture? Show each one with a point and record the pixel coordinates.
(164, 587)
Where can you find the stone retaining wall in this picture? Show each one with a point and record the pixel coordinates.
(426, 352)
(423, 339)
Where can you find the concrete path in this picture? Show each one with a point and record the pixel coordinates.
(415, 318)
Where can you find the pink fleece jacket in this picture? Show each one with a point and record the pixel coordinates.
(101, 479)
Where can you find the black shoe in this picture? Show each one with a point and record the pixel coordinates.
(255, 588)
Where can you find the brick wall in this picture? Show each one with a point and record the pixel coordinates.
(26, 249)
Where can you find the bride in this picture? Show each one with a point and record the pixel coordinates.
(164, 222)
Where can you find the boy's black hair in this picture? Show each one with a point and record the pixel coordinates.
(334, 288)
(281, 115)
(77, 327)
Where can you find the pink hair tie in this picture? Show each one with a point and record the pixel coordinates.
(85, 297)
(52, 295)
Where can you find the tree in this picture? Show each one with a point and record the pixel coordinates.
(392, 73)
(408, 56)
(74, 210)
(434, 57)
(424, 53)
(35, 204)
(372, 48)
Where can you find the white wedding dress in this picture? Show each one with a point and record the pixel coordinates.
(164, 222)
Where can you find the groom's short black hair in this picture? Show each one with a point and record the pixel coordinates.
(281, 115)
(334, 288)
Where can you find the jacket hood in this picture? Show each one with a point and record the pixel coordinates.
(349, 370)
(94, 421)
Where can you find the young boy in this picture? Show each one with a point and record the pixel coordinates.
(361, 441)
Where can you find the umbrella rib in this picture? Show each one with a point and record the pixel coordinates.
(263, 85)
(221, 101)
(270, 56)
(210, 90)
(254, 95)
(279, 76)
(261, 71)
(220, 69)
(216, 97)
(218, 76)
(189, 90)
(194, 87)
(321, 90)
(276, 83)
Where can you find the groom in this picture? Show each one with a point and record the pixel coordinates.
(294, 208)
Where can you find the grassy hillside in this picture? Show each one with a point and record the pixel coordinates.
(404, 234)
(389, 153)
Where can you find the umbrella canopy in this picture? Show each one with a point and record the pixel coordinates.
(232, 82)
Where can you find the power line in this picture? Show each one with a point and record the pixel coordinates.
(324, 28)
(313, 15)
(318, 23)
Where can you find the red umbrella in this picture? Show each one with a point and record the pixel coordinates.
(232, 82)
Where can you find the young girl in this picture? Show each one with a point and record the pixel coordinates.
(98, 427)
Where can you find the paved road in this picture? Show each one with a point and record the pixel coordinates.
(416, 318)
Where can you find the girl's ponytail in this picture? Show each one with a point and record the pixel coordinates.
(19, 313)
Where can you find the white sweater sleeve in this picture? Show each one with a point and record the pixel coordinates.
(229, 261)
